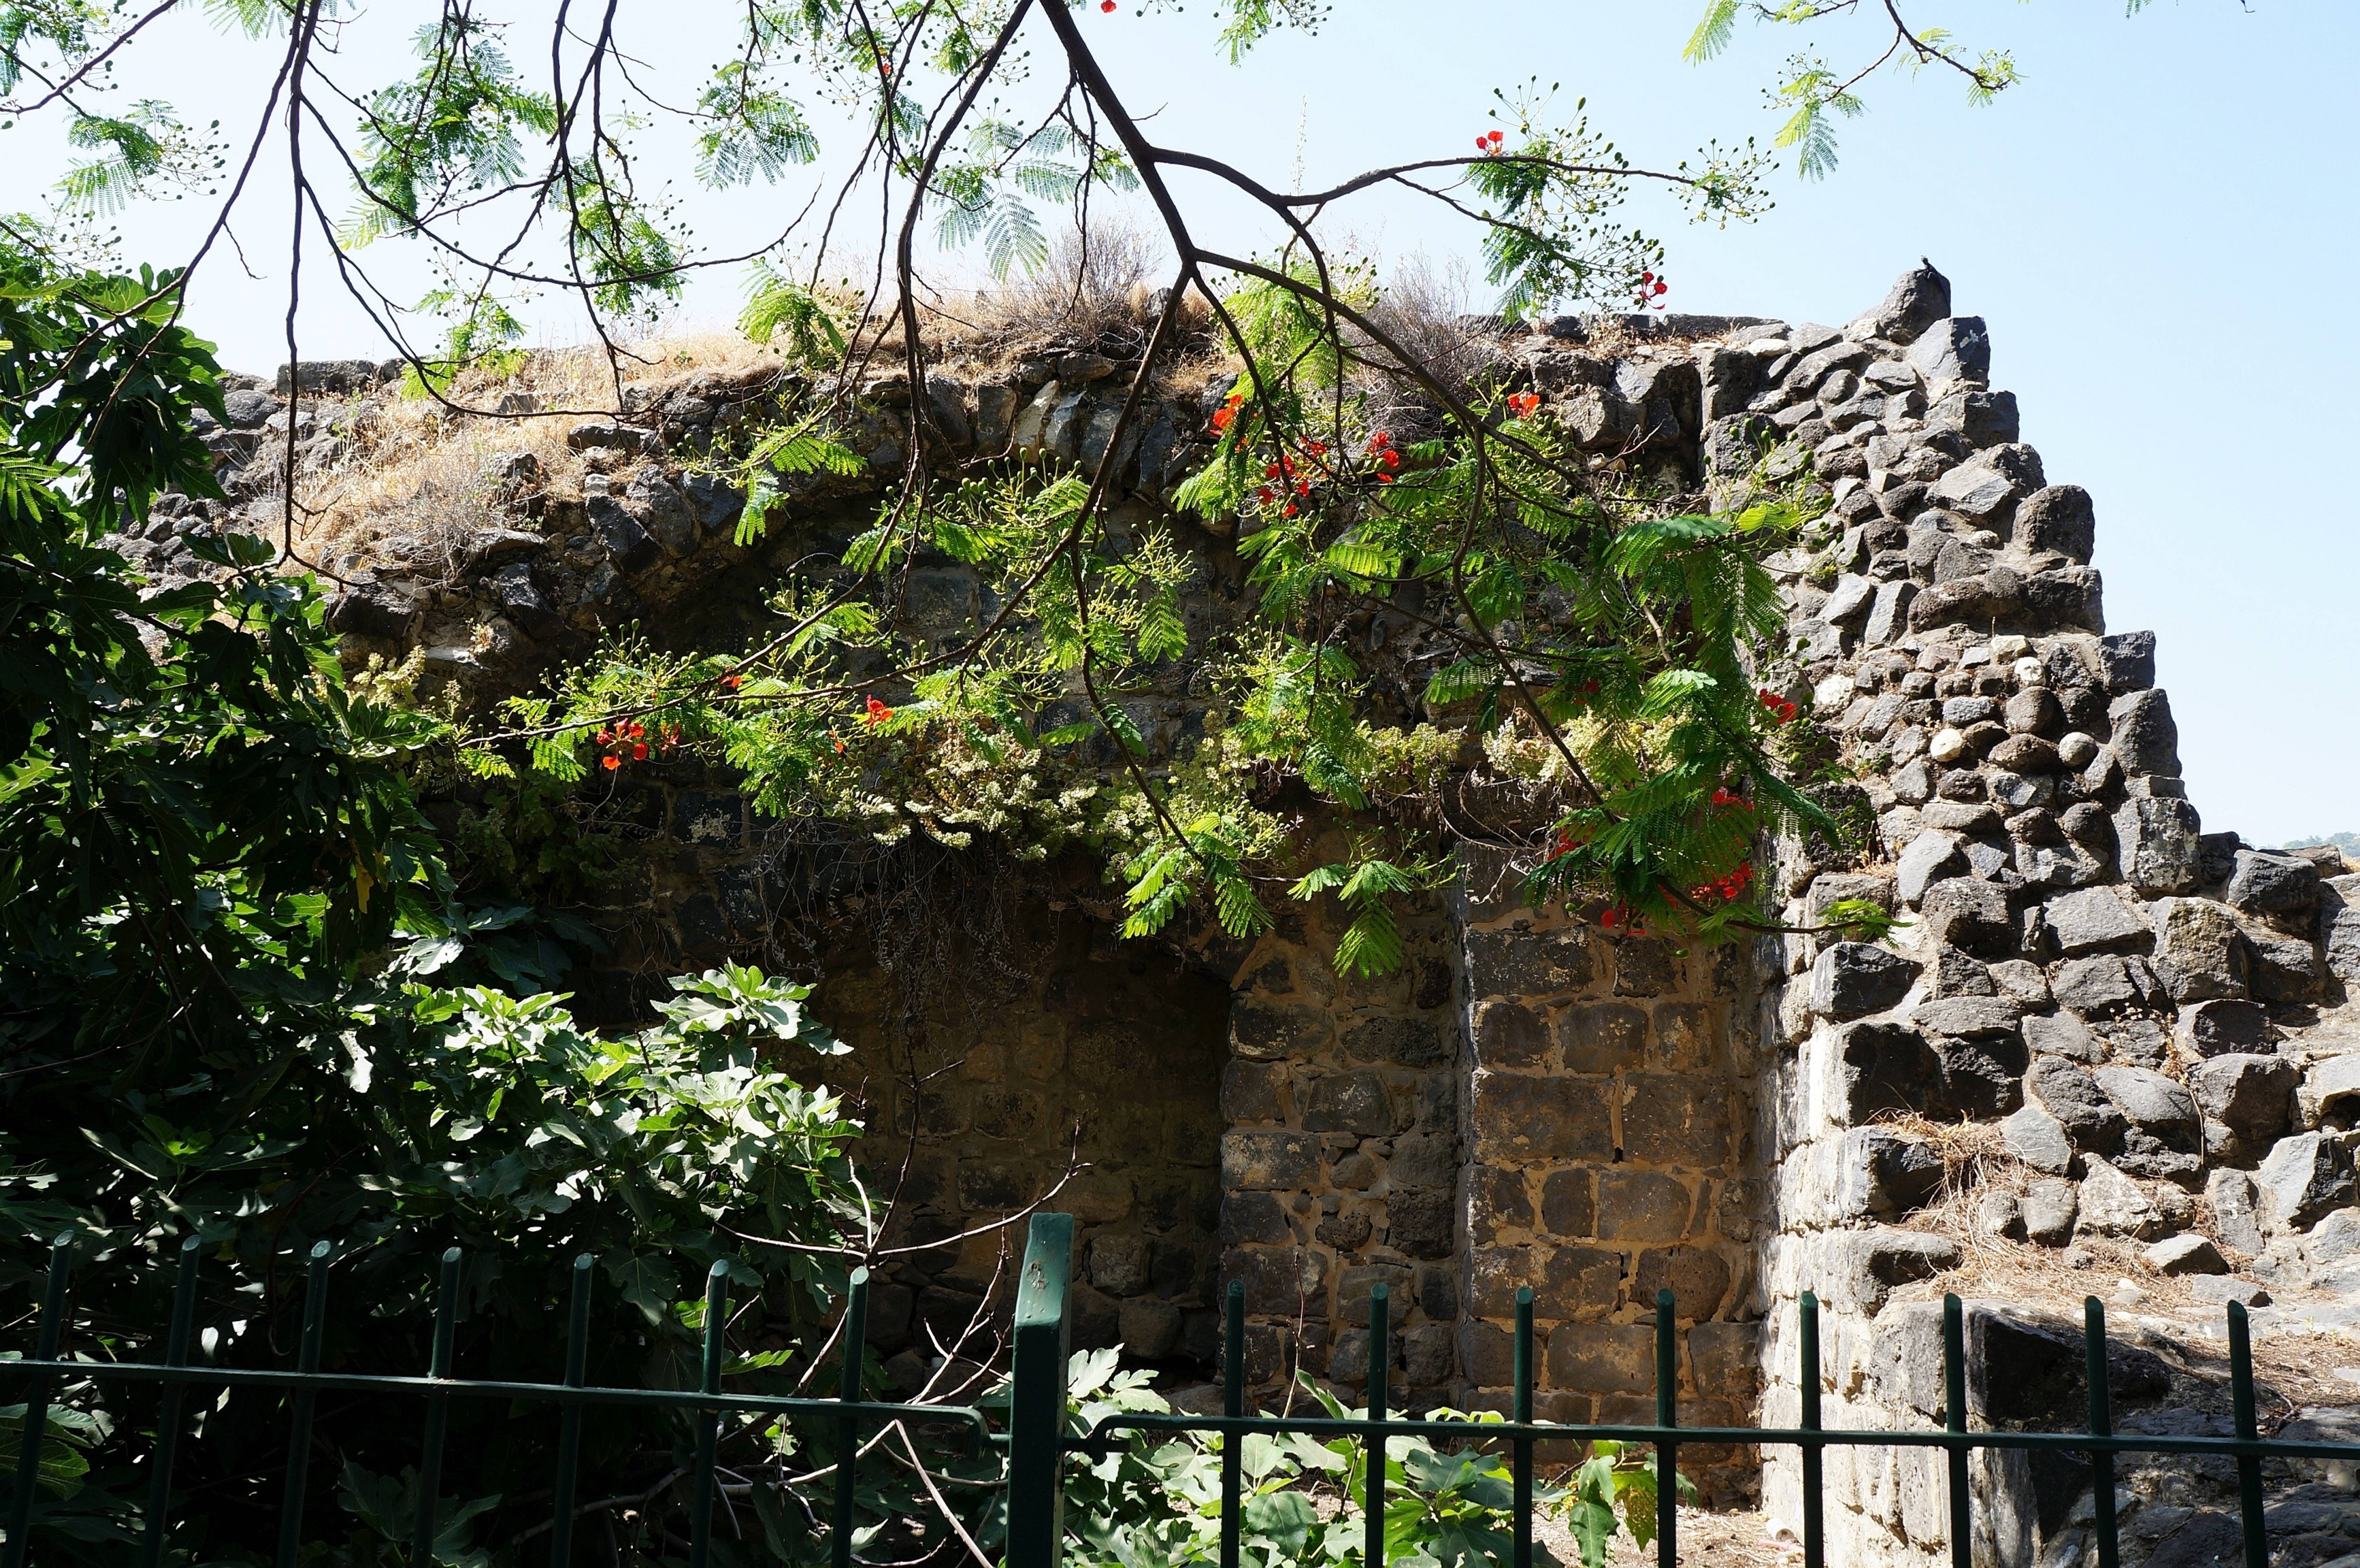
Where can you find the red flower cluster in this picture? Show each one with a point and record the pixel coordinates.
(1490, 143)
(1617, 917)
(1565, 844)
(1650, 287)
(1381, 453)
(1523, 404)
(732, 683)
(1107, 6)
(1724, 798)
(632, 741)
(1227, 412)
(1730, 887)
(878, 713)
(1779, 708)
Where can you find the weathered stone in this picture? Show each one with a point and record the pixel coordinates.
(1698, 1277)
(630, 546)
(2252, 1096)
(2097, 986)
(1527, 965)
(2059, 518)
(1520, 1117)
(1888, 617)
(2113, 1205)
(1280, 1281)
(1508, 1034)
(1118, 1263)
(1279, 1161)
(1150, 1328)
(1254, 1091)
(1982, 419)
(1602, 1358)
(1568, 1208)
(1929, 858)
(2156, 841)
(1885, 1067)
(2223, 1027)
(1349, 1102)
(1883, 1174)
(2236, 1202)
(2089, 1118)
(2025, 754)
(2198, 951)
(2266, 883)
(1849, 601)
(2284, 969)
(2146, 740)
(2060, 1034)
(1970, 1017)
(2184, 1254)
(1603, 1036)
(1252, 1217)
(1957, 974)
(1674, 1118)
(1919, 299)
(1956, 348)
(2151, 1102)
(2038, 1139)
(2091, 920)
(1726, 1359)
(2330, 1089)
(1418, 1224)
(1862, 1268)
(2050, 1208)
(1968, 913)
(1855, 977)
(2305, 1176)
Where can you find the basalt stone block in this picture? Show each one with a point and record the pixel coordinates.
(1971, 914)
(2060, 519)
(1851, 978)
(1930, 857)
(2050, 1208)
(2225, 1026)
(1955, 348)
(2093, 919)
(2089, 1118)
(1642, 1206)
(1983, 418)
(1919, 299)
(2038, 1139)
(1518, 1116)
(2252, 1096)
(1508, 1034)
(2200, 952)
(2125, 662)
(1269, 1161)
(1602, 1358)
(1864, 1268)
(1255, 1091)
(2060, 1034)
(1603, 1036)
(1885, 1067)
(1883, 1174)
(2285, 969)
(1568, 1204)
(2155, 842)
(2144, 738)
(1519, 963)
(1674, 1118)
(2267, 884)
(1418, 1224)
(1698, 1277)
(1350, 1102)
(2152, 1102)
(2306, 1175)
(1280, 1281)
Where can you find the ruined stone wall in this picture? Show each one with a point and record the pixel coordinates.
(2143, 1018)
(2148, 1016)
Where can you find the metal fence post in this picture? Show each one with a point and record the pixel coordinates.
(1522, 1409)
(438, 1413)
(1372, 1487)
(1036, 1397)
(568, 1421)
(1954, 1400)
(2249, 1465)
(1667, 1416)
(2102, 1424)
(37, 1400)
(708, 1423)
(300, 1405)
(1815, 1508)
(168, 1406)
(847, 1426)
(1233, 1404)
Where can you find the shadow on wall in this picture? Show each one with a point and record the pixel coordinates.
(994, 1061)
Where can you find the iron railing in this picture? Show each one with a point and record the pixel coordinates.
(1037, 1440)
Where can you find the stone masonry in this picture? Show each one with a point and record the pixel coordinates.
(2147, 1018)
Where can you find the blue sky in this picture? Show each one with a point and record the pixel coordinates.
(2158, 226)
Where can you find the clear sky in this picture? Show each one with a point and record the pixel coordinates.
(2158, 226)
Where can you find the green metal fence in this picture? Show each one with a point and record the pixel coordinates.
(1037, 1441)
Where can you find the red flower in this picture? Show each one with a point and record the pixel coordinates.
(1380, 440)
(1290, 508)
(1482, 144)
(1496, 137)
(1523, 403)
(1390, 459)
(1385, 478)
(1265, 495)
(1270, 471)
(640, 752)
(733, 682)
(878, 713)
(1107, 6)
(610, 763)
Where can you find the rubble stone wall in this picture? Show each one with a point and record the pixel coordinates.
(2147, 1017)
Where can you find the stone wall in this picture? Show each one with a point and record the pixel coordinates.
(2143, 1019)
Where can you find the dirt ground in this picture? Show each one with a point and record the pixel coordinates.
(1736, 1538)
